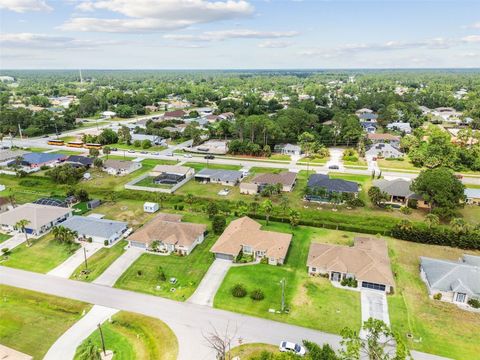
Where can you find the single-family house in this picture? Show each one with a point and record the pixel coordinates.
(393, 140)
(288, 149)
(399, 192)
(120, 167)
(79, 161)
(368, 116)
(101, 231)
(108, 114)
(286, 179)
(370, 127)
(167, 233)
(219, 176)
(154, 139)
(452, 281)
(41, 218)
(245, 236)
(150, 207)
(320, 181)
(383, 150)
(472, 196)
(400, 126)
(35, 160)
(176, 114)
(171, 174)
(366, 261)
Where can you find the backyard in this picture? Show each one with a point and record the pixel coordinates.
(312, 302)
(99, 262)
(134, 336)
(43, 255)
(31, 322)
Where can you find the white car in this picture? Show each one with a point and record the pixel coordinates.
(187, 156)
(286, 346)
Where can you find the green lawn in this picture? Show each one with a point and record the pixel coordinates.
(200, 166)
(313, 161)
(69, 138)
(134, 336)
(280, 157)
(68, 152)
(313, 302)
(128, 147)
(209, 190)
(42, 256)
(437, 327)
(261, 170)
(148, 182)
(189, 270)
(4, 237)
(403, 164)
(252, 351)
(31, 322)
(119, 157)
(471, 213)
(99, 262)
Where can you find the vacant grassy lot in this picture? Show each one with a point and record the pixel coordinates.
(99, 262)
(280, 157)
(209, 190)
(313, 161)
(200, 166)
(313, 302)
(134, 336)
(403, 164)
(437, 327)
(252, 351)
(42, 256)
(31, 322)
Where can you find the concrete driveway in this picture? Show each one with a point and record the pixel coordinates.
(374, 305)
(67, 268)
(210, 283)
(336, 155)
(114, 271)
(65, 346)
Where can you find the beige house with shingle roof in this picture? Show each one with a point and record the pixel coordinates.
(171, 234)
(245, 235)
(366, 261)
(41, 218)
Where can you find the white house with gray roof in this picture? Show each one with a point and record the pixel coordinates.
(455, 281)
(288, 149)
(384, 150)
(219, 176)
(99, 230)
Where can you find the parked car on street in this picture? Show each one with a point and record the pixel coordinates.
(334, 167)
(187, 156)
(287, 346)
(209, 157)
(169, 154)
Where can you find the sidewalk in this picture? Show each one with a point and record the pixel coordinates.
(66, 345)
(14, 241)
(114, 271)
(67, 268)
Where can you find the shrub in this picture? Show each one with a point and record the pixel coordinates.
(180, 207)
(412, 203)
(5, 251)
(105, 242)
(475, 303)
(44, 167)
(239, 291)
(139, 272)
(257, 295)
(356, 202)
(406, 210)
(350, 282)
(161, 274)
(218, 224)
(437, 296)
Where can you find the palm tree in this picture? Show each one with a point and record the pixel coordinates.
(161, 197)
(405, 224)
(189, 199)
(294, 217)
(458, 225)
(267, 207)
(432, 220)
(284, 203)
(21, 224)
(335, 198)
(254, 207)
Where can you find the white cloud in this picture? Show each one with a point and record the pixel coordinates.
(44, 41)
(154, 15)
(22, 6)
(272, 44)
(475, 25)
(231, 34)
(471, 39)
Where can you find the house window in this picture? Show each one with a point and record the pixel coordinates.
(461, 297)
(314, 269)
(247, 249)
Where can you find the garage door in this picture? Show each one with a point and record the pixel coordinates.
(373, 286)
(137, 244)
(223, 256)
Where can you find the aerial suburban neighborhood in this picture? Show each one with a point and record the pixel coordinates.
(239, 180)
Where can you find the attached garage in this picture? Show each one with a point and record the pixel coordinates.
(137, 244)
(223, 256)
(373, 286)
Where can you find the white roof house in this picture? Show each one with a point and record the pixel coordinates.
(109, 114)
(100, 230)
(384, 150)
(400, 126)
(40, 217)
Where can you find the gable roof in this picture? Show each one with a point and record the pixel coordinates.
(383, 148)
(90, 226)
(172, 169)
(168, 229)
(38, 215)
(472, 193)
(383, 137)
(367, 259)
(175, 113)
(396, 187)
(40, 158)
(80, 159)
(459, 276)
(245, 231)
(118, 164)
(334, 185)
(222, 175)
(285, 178)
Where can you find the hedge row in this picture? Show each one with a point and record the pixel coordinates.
(439, 235)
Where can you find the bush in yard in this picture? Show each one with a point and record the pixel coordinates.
(218, 224)
(105, 242)
(350, 282)
(180, 207)
(475, 303)
(5, 251)
(406, 210)
(437, 296)
(161, 274)
(257, 295)
(139, 272)
(356, 202)
(239, 291)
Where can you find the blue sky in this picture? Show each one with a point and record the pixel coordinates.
(217, 34)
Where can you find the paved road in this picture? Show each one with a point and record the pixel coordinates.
(67, 268)
(189, 321)
(210, 283)
(65, 346)
(118, 267)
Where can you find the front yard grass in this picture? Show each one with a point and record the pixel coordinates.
(252, 351)
(437, 327)
(4, 237)
(200, 166)
(31, 322)
(403, 164)
(43, 255)
(143, 274)
(134, 336)
(313, 301)
(99, 262)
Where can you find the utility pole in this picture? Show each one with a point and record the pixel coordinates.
(85, 256)
(103, 340)
(20, 131)
(282, 282)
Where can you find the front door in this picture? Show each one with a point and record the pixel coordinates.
(461, 297)
(336, 276)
